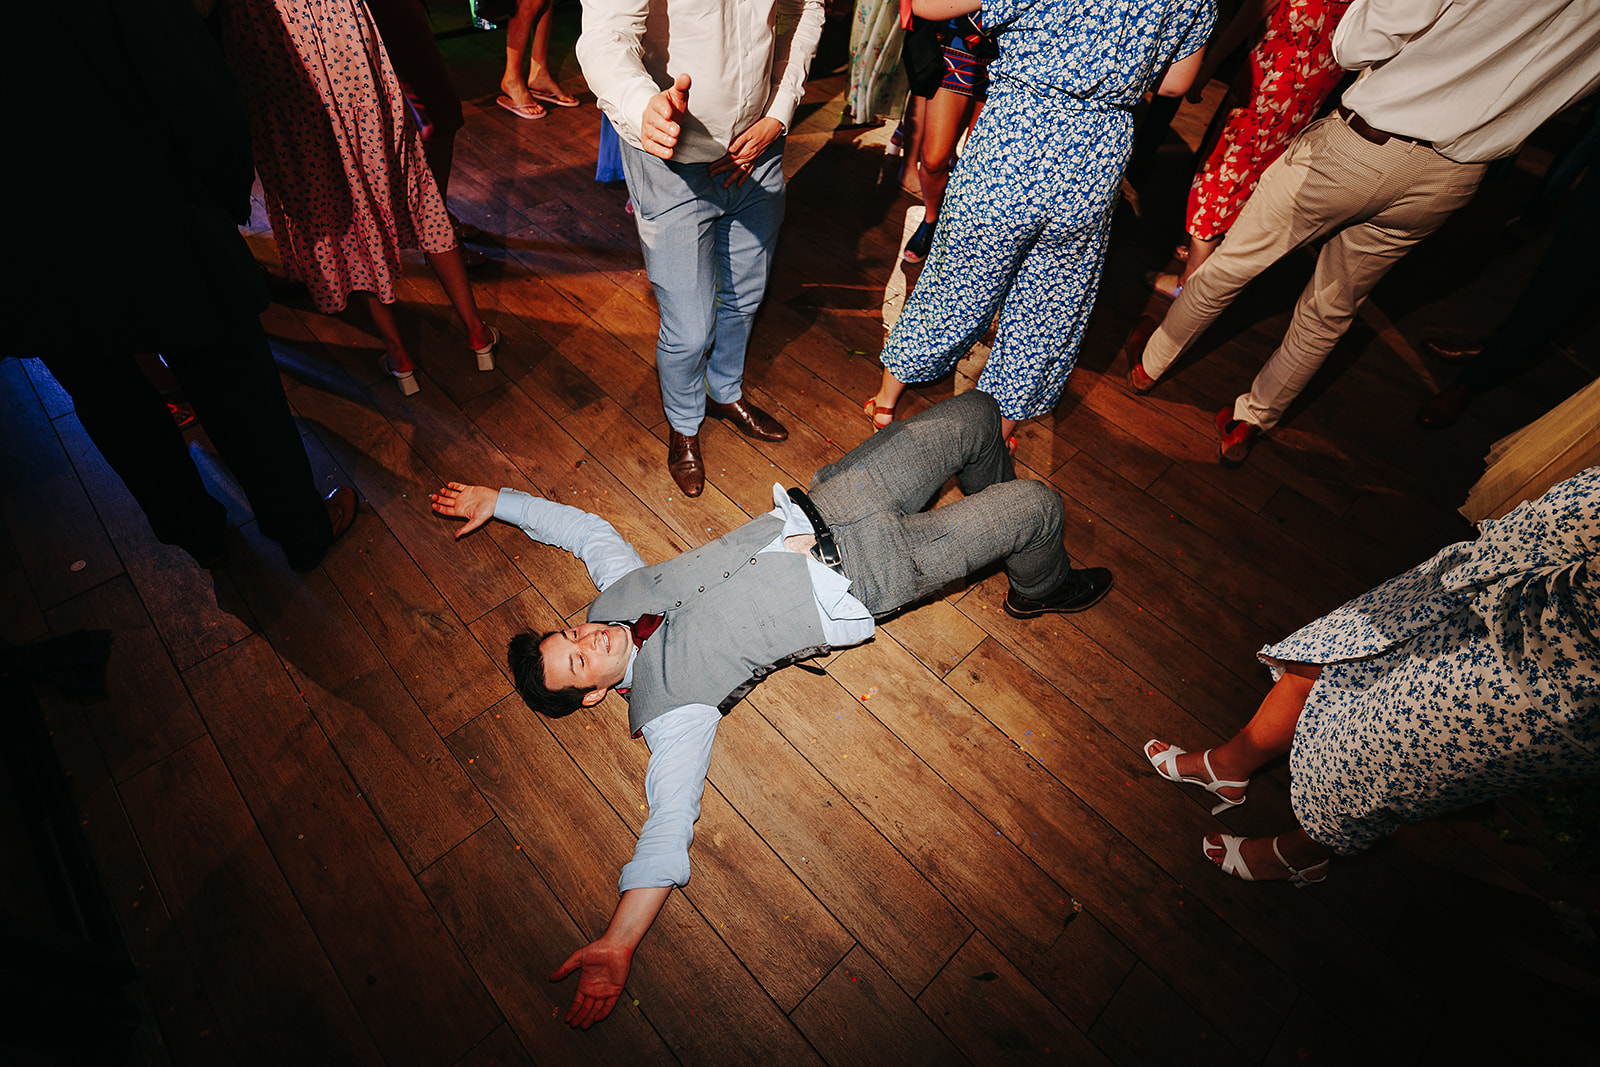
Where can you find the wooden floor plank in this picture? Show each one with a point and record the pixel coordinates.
(385, 942)
(146, 712)
(275, 993)
(188, 1022)
(507, 923)
(691, 988)
(995, 1017)
(858, 1016)
(1147, 1023)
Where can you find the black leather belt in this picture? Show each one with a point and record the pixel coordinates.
(1369, 132)
(826, 550)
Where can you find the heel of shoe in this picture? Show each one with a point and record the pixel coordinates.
(407, 382)
(486, 353)
(1223, 803)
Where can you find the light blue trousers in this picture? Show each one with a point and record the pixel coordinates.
(708, 252)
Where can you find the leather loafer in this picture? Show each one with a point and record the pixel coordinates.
(748, 420)
(1444, 409)
(1082, 589)
(684, 462)
(1453, 351)
(1138, 380)
(341, 505)
(1237, 438)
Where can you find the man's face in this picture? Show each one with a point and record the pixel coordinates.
(593, 657)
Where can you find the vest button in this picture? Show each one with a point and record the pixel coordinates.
(702, 589)
(724, 574)
(679, 604)
(752, 561)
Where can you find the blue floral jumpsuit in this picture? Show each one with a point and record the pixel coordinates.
(1025, 220)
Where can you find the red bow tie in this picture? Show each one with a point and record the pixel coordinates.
(642, 629)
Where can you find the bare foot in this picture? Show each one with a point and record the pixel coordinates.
(1298, 852)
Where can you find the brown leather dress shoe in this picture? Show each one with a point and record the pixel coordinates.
(1444, 409)
(684, 462)
(1139, 381)
(1453, 351)
(748, 420)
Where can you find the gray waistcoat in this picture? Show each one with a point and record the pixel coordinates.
(731, 617)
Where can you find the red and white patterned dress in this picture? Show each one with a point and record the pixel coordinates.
(1291, 72)
(345, 180)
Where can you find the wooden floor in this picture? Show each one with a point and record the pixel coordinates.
(334, 834)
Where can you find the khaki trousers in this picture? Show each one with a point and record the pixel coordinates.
(1371, 202)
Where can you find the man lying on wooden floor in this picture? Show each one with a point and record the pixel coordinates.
(685, 640)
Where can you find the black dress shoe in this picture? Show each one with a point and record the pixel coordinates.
(684, 462)
(1082, 589)
(748, 420)
(341, 505)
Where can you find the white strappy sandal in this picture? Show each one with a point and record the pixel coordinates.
(1233, 862)
(1166, 764)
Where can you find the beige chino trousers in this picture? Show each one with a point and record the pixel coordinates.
(1371, 202)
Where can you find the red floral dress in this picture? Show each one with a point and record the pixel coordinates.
(1291, 72)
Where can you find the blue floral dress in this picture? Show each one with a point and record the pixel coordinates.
(1028, 210)
(1471, 676)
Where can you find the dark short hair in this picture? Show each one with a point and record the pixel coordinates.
(526, 660)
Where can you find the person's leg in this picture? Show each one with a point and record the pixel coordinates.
(896, 553)
(540, 78)
(944, 119)
(234, 386)
(451, 271)
(745, 236)
(519, 31)
(128, 421)
(675, 209)
(1294, 848)
(383, 321)
(1300, 199)
(1351, 263)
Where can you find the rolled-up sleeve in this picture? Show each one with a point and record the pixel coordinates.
(680, 755)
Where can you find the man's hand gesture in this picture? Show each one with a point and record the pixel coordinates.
(471, 502)
(746, 149)
(605, 970)
(658, 132)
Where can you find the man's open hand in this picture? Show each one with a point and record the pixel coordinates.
(658, 131)
(605, 971)
(474, 503)
(746, 149)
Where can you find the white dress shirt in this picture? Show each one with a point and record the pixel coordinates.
(1475, 77)
(680, 740)
(746, 60)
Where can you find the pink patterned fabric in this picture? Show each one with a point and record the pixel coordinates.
(346, 183)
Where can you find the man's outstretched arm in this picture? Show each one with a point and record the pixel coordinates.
(605, 961)
(587, 536)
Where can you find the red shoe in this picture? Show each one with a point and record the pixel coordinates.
(1138, 381)
(1237, 436)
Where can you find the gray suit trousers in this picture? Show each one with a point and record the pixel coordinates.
(895, 553)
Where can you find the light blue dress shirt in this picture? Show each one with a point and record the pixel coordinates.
(680, 740)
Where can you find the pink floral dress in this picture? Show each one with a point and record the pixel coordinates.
(345, 180)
